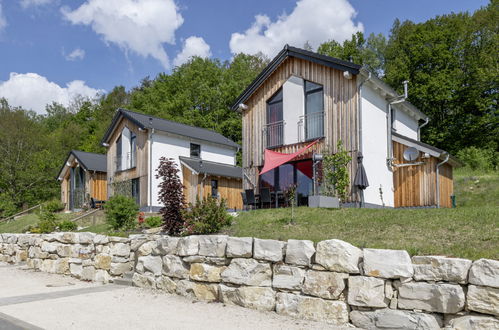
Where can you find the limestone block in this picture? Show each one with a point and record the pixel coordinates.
(102, 261)
(437, 268)
(303, 307)
(88, 273)
(259, 298)
(166, 245)
(146, 248)
(115, 239)
(366, 291)
(474, 322)
(327, 285)
(119, 268)
(21, 256)
(217, 261)
(247, 272)
(185, 288)
(299, 252)
(194, 259)
(102, 276)
(188, 246)
(85, 238)
(143, 281)
(387, 263)
(120, 249)
(205, 272)
(393, 319)
(268, 249)
(173, 266)
(239, 247)
(287, 277)
(338, 256)
(483, 299)
(102, 249)
(153, 264)
(441, 298)
(166, 284)
(49, 247)
(212, 245)
(205, 291)
(75, 270)
(485, 272)
(100, 239)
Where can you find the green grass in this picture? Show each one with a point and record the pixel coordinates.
(469, 231)
(20, 224)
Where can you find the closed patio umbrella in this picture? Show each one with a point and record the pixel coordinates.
(360, 180)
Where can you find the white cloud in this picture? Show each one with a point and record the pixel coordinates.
(193, 46)
(3, 20)
(77, 54)
(312, 21)
(33, 92)
(33, 3)
(141, 26)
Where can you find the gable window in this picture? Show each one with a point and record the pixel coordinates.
(119, 152)
(133, 150)
(314, 110)
(195, 150)
(274, 130)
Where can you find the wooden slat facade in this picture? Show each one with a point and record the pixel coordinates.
(340, 108)
(200, 186)
(98, 186)
(416, 185)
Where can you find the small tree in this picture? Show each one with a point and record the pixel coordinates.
(290, 195)
(336, 178)
(171, 196)
(207, 216)
(121, 212)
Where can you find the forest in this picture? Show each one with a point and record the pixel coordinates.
(450, 61)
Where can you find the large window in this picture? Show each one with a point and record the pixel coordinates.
(133, 150)
(119, 154)
(314, 110)
(195, 150)
(274, 130)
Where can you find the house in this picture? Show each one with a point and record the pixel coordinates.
(82, 177)
(302, 97)
(206, 160)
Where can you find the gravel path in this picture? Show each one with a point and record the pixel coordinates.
(59, 302)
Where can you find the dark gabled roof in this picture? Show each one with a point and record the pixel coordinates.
(146, 121)
(289, 51)
(433, 151)
(88, 160)
(212, 168)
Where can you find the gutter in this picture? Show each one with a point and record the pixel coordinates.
(427, 119)
(438, 177)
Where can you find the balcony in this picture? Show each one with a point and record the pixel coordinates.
(273, 134)
(125, 162)
(311, 126)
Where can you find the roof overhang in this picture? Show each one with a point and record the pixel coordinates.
(289, 51)
(120, 113)
(67, 164)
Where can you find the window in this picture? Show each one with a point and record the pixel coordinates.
(133, 150)
(214, 188)
(275, 124)
(136, 190)
(119, 149)
(195, 150)
(314, 110)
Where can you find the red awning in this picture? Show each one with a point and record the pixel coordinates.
(275, 159)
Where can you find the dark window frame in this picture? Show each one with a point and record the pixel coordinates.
(307, 93)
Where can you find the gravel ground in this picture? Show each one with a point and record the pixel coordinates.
(59, 302)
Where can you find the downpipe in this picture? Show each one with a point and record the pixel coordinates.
(151, 133)
(438, 178)
(426, 121)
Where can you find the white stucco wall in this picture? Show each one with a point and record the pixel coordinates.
(293, 106)
(405, 124)
(374, 145)
(166, 145)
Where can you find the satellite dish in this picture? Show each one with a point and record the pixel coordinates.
(411, 154)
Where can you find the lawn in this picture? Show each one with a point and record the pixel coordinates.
(469, 231)
(20, 224)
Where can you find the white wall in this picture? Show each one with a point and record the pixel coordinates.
(374, 145)
(293, 105)
(170, 146)
(405, 124)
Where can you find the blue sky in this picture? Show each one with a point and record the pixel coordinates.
(62, 48)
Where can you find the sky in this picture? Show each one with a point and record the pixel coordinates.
(55, 50)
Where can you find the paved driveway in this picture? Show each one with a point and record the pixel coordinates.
(34, 300)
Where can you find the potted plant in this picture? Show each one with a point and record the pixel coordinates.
(335, 181)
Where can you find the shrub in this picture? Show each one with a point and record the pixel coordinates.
(478, 159)
(53, 205)
(7, 206)
(67, 225)
(121, 212)
(48, 222)
(171, 196)
(206, 217)
(153, 222)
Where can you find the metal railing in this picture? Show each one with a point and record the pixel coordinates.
(273, 134)
(311, 126)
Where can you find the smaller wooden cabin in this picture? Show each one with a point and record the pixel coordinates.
(203, 179)
(83, 176)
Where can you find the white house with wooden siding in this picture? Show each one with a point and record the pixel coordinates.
(301, 97)
(206, 160)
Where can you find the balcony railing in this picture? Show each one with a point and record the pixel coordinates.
(125, 162)
(311, 126)
(273, 134)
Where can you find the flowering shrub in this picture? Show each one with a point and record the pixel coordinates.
(206, 217)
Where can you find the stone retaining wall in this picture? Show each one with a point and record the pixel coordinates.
(331, 281)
